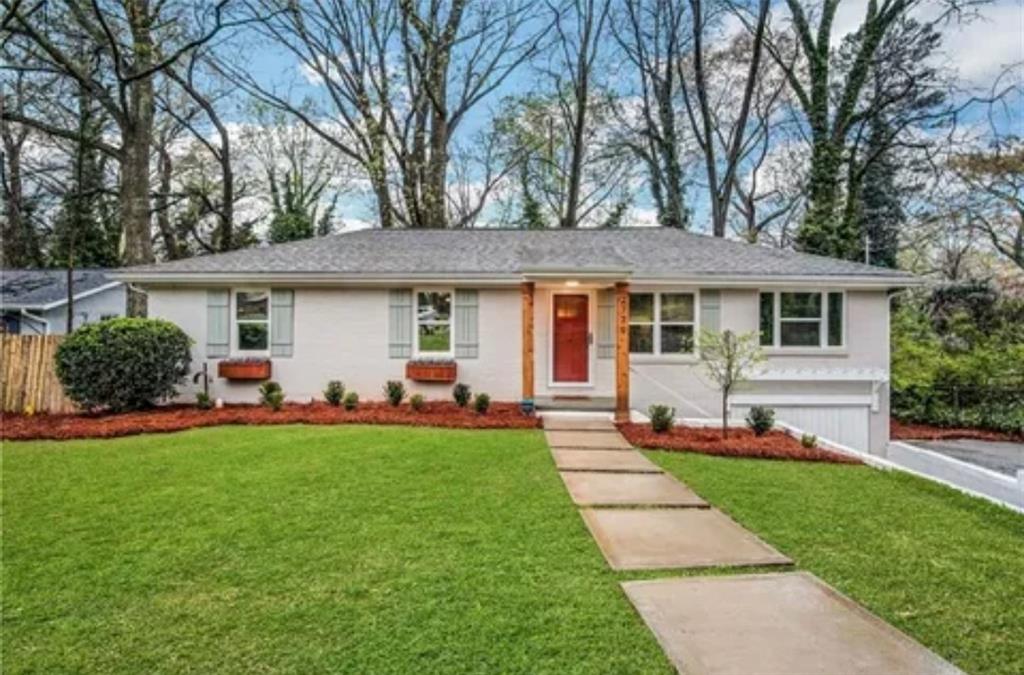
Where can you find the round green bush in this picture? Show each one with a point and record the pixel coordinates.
(123, 364)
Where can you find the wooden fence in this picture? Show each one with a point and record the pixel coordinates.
(28, 379)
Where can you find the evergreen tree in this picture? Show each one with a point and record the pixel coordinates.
(291, 220)
(880, 214)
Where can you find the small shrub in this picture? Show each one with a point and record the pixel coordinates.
(417, 402)
(334, 393)
(809, 441)
(351, 400)
(394, 392)
(461, 394)
(481, 403)
(271, 395)
(203, 401)
(760, 420)
(123, 364)
(662, 418)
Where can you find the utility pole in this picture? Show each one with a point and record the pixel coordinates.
(867, 249)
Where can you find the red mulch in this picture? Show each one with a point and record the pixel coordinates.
(180, 417)
(905, 431)
(740, 443)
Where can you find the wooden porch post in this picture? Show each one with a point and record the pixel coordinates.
(621, 352)
(527, 339)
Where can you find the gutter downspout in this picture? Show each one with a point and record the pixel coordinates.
(46, 322)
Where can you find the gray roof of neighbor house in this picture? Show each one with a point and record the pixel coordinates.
(491, 252)
(36, 288)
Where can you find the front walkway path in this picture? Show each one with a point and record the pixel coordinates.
(657, 522)
(780, 623)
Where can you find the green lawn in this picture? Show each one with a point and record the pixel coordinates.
(946, 568)
(375, 549)
(306, 549)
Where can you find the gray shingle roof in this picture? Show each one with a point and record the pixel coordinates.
(645, 252)
(37, 288)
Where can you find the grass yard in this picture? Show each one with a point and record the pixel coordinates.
(305, 549)
(946, 568)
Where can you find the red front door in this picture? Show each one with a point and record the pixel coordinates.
(571, 339)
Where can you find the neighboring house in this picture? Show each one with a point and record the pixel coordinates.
(589, 318)
(34, 302)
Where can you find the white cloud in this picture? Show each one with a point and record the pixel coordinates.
(978, 48)
(981, 48)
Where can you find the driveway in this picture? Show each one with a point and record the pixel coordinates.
(1007, 458)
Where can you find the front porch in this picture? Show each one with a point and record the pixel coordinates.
(575, 343)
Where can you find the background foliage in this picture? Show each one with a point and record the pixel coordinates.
(958, 358)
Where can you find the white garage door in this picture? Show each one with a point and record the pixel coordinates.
(847, 425)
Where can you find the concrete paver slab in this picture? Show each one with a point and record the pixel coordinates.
(643, 539)
(773, 623)
(570, 424)
(621, 461)
(587, 439)
(628, 489)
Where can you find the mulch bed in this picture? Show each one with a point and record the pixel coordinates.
(905, 431)
(740, 443)
(180, 417)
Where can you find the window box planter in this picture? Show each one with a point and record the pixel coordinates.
(244, 369)
(430, 371)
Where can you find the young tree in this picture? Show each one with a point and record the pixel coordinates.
(729, 360)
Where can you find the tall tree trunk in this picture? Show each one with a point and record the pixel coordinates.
(12, 253)
(165, 171)
(572, 200)
(435, 183)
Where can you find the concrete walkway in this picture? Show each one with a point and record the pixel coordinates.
(641, 517)
(774, 624)
(783, 623)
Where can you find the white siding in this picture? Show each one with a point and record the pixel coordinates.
(683, 384)
(342, 334)
(846, 425)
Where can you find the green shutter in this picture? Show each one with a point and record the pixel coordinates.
(467, 330)
(400, 323)
(605, 324)
(218, 323)
(282, 322)
(711, 310)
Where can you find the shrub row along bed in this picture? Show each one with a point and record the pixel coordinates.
(740, 443)
(179, 417)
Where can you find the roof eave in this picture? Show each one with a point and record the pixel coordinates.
(874, 282)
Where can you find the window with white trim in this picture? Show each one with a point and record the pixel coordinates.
(434, 322)
(662, 323)
(252, 321)
(808, 319)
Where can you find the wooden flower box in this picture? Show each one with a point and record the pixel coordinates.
(244, 369)
(430, 371)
